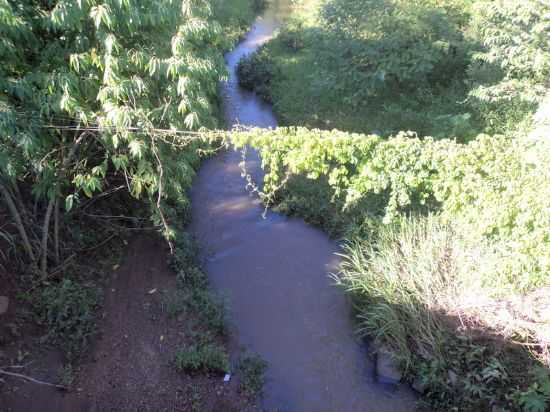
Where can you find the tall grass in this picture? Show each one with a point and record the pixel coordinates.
(420, 288)
(401, 283)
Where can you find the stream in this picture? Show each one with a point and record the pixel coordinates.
(274, 272)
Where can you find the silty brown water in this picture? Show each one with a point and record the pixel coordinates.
(274, 272)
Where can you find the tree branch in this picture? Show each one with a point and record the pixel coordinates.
(18, 222)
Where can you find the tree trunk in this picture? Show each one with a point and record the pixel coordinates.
(18, 222)
(56, 232)
(52, 202)
(44, 243)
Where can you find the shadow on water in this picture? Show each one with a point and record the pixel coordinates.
(275, 273)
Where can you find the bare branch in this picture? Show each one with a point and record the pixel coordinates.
(31, 379)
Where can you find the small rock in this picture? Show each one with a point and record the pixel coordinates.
(4, 303)
(386, 368)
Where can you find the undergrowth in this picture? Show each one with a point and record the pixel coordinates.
(252, 369)
(204, 358)
(68, 311)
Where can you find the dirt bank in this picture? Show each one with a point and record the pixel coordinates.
(129, 365)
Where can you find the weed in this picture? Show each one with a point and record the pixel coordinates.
(196, 399)
(252, 369)
(192, 284)
(206, 358)
(210, 309)
(67, 309)
(256, 73)
(258, 6)
(67, 375)
(175, 302)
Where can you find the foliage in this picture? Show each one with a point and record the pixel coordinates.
(375, 178)
(509, 74)
(91, 97)
(444, 69)
(515, 61)
(192, 287)
(207, 358)
(236, 16)
(389, 66)
(537, 397)
(67, 309)
(431, 240)
(255, 73)
(472, 375)
(252, 368)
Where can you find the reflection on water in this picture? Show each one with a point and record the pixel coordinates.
(275, 274)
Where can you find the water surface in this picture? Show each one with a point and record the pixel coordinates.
(275, 273)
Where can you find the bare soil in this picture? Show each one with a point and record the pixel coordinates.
(129, 366)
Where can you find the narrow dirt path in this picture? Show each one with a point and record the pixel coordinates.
(130, 365)
(275, 274)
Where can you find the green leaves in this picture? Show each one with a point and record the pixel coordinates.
(467, 184)
(515, 38)
(101, 14)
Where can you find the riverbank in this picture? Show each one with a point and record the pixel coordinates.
(274, 272)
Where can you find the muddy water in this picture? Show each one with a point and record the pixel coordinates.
(274, 272)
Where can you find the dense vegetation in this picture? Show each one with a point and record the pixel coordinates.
(100, 107)
(90, 93)
(384, 66)
(448, 250)
(448, 253)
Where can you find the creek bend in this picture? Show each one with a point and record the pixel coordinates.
(274, 272)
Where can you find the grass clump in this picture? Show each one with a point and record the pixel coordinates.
(192, 291)
(422, 290)
(256, 72)
(252, 369)
(67, 309)
(205, 358)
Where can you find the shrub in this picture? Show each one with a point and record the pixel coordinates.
(258, 6)
(67, 309)
(207, 358)
(252, 368)
(256, 72)
(422, 290)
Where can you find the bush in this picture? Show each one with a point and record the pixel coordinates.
(422, 290)
(256, 73)
(67, 309)
(258, 6)
(252, 368)
(207, 358)
(192, 287)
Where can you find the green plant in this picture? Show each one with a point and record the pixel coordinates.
(258, 6)
(67, 375)
(67, 310)
(90, 96)
(252, 369)
(175, 302)
(211, 309)
(256, 72)
(206, 358)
